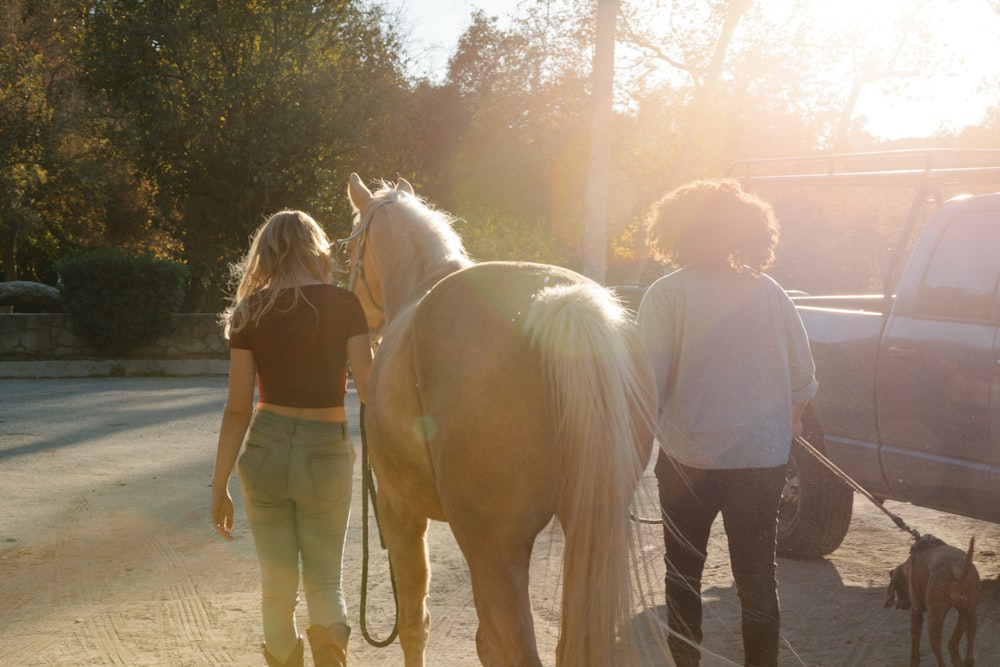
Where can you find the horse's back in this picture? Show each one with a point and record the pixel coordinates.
(496, 291)
(481, 310)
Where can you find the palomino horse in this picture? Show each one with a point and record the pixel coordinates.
(502, 394)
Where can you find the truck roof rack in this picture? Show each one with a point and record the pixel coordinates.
(914, 167)
(924, 170)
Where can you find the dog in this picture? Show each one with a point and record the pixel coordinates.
(935, 578)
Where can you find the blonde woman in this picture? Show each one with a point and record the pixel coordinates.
(734, 373)
(293, 334)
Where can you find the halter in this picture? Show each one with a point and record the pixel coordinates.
(357, 267)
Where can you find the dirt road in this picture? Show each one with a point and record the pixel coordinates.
(107, 556)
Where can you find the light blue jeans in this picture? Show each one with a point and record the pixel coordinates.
(296, 477)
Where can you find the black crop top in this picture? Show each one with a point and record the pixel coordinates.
(301, 354)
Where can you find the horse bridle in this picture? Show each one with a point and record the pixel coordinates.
(357, 267)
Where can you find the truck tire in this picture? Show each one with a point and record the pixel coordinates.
(815, 510)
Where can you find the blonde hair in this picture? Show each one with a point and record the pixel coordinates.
(288, 247)
(713, 222)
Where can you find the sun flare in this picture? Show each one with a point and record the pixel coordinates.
(928, 60)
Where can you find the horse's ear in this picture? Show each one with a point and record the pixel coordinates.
(358, 193)
(404, 185)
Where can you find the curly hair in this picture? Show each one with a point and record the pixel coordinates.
(713, 222)
(286, 248)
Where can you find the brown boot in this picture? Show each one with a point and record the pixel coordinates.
(294, 660)
(329, 644)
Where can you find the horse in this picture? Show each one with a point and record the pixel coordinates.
(502, 394)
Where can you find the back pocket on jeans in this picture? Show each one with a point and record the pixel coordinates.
(251, 462)
(331, 474)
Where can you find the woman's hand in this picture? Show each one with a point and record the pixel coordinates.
(222, 513)
(797, 410)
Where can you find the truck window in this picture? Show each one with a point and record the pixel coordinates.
(961, 278)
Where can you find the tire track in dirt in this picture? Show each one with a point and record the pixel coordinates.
(93, 613)
(35, 585)
(98, 639)
(184, 615)
(96, 630)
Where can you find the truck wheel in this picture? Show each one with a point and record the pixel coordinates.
(815, 510)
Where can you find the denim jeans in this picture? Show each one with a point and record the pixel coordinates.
(690, 499)
(296, 477)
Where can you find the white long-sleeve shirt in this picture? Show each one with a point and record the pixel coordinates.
(730, 356)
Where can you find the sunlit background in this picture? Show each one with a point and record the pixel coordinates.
(935, 64)
(175, 128)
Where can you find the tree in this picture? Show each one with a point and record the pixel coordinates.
(743, 78)
(25, 115)
(63, 185)
(696, 53)
(524, 97)
(234, 110)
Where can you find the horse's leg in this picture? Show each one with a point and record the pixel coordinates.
(498, 567)
(405, 537)
(495, 511)
(495, 480)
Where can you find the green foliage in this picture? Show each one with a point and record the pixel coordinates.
(491, 235)
(118, 300)
(63, 184)
(236, 110)
(518, 137)
(26, 115)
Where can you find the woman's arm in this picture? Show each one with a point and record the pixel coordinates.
(235, 420)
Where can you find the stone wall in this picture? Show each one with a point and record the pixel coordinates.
(49, 336)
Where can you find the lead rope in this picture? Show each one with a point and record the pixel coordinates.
(368, 492)
(806, 445)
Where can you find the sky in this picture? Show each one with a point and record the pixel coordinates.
(436, 25)
(928, 105)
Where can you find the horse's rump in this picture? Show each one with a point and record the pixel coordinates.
(474, 363)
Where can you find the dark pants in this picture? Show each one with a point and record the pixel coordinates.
(690, 499)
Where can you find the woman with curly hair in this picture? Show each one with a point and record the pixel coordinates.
(734, 373)
(294, 334)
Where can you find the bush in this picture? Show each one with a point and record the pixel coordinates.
(119, 300)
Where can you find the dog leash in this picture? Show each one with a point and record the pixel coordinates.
(840, 474)
(844, 477)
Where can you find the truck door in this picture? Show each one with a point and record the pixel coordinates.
(937, 369)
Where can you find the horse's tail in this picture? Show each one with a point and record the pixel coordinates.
(601, 400)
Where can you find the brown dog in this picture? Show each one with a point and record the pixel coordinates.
(935, 578)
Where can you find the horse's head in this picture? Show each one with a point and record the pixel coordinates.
(364, 279)
(399, 247)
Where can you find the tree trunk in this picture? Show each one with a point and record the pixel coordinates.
(9, 255)
(595, 222)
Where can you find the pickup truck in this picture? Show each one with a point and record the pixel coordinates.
(909, 398)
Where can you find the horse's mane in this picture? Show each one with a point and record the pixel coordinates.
(428, 229)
